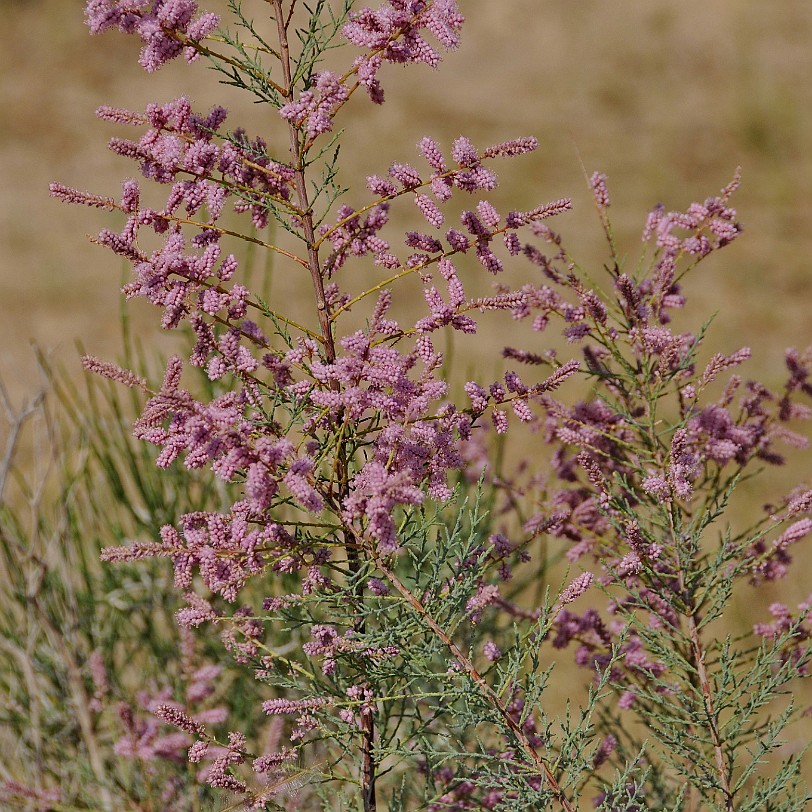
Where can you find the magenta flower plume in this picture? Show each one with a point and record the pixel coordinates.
(396, 33)
(166, 28)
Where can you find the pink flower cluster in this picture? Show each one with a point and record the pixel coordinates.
(145, 737)
(395, 33)
(166, 27)
(314, 109)
(796, 629)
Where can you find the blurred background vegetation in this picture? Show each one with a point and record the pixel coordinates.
(667, 99)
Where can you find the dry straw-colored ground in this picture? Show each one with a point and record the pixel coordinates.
(667, 99)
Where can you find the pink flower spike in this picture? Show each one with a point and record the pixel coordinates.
(114, 372)
(576, 588)
(491, 651)
(599, 190)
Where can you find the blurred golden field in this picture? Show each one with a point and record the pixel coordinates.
(666, 98)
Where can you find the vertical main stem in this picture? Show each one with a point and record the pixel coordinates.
(368, 772)
(367, 721)
(710, 711)
(697, 648)
(301, 192)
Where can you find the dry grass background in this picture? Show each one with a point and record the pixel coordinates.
(666, 98)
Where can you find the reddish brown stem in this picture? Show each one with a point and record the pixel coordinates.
(298, 153)
(300, 183)
(710, 711)
(487, 691)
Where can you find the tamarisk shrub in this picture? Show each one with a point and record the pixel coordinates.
(393, 637)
